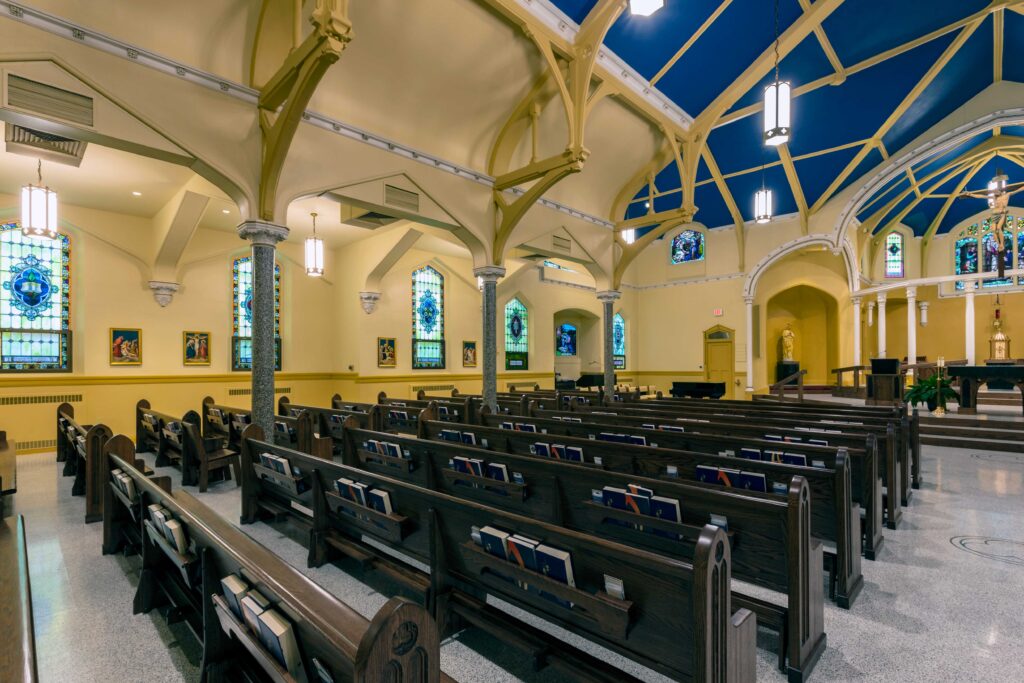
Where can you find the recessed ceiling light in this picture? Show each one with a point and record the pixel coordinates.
(136, 193)
(225, 210)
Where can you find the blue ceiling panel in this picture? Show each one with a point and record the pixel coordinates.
(967, 73)
(576, 10)
(711, 208)
(878, 200)
(862, 29)
(1013, 49)
(804, 64)
(818, 172)
(925, 168)
(922, 215)
(743, 188)
(742, 32)
(948, 186)
(833, 115)
(702, 170)
(1017, 131)
(895, 210)
(873, 158)
(738, 146)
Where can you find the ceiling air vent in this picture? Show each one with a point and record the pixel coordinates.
(48, 101)
(34, 143)
(403, 199)
(370, 220)
(561, 243)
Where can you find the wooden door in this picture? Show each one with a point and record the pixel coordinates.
(718, 357)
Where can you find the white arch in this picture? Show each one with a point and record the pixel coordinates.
(846, 249)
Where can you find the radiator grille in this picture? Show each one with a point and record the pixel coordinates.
(32, 445)
(26, 400)
(431, 387)
(248, 392)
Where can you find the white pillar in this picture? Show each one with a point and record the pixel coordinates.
(856, 330)
(871, 313)
(911, 325)
(924, 313)
(750, 343)
(881, 325)
(969, 323)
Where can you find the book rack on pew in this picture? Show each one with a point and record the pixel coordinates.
(675, 617)
(329, 639)
(162, 433)
(79, 447)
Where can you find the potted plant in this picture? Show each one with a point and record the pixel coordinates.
(931, 392)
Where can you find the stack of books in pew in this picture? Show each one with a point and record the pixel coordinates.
(521, 427)
(215, 416)
(386, 448)
(623, 438)
(358, 492)
(731, 478)
(272, 629)
(284, 428)
(171, 528)
(241, 420)
(353, 409)
(443, 411)
(80, 443)
(150, 420)
(557, 451)
(479, 468)
(531, 554)
(794, 439)
(284, 466)
(172, 430)
(461, 437)
(398, 415)
(640, 500)
(124, 483)
(778, 457)
(568, 419)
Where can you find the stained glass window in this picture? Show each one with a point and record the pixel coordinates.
(965, 257)
(35, 305)
(241, 317)
(517, 340)
(688, 246)
(894, 255)
(990, 260)
(427, 319)
(565, 340)
(619, 341)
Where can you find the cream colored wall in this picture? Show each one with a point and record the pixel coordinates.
(812, 315)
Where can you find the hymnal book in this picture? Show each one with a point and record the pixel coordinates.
(523, 551)
(541, 449)
(666, 508)
(469, 438)
(393, 449)
(792, 439)
(750, 453)
(321, 674)
(253, 605)
(380, 501)
(648, 426)
(497, 471)
(234, 590)
(399, 404)
(160, 519)
(820, 464)
(772, 437)
(614, 497)
(772, 456)
(281, 427)
(442, 411)
(278, 636)
(451, 435)
(555, 564)
(817, 442)
(574, 453)
(558, 451)
(357, 492)
(461, 464)
(672, 428)
(794, 459)
(495, 541)
(727, 476)
(128, 485)
(753, 481)
(526, 427)
(506, 425)
(175, 533)
(637, 440)
(637, 503)
(153, 509)
(614, 587)
(642, 490)
(707, 474)
(371, 446)
(779, 487)
(476, 467)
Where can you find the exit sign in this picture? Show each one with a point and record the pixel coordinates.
(717, 312)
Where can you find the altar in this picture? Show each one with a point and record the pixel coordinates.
(973, 376)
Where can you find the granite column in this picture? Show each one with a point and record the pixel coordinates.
(488, 276)
(608, 299)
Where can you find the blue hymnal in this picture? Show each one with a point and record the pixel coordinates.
(753, 481)
(469, 438)
(750, 453)
(817, 442)
(476, 466)
(542, 449)
(506, 425)
(393, 449)
(495, 541)
(637, 440)
(638, 503)
(461, 464)
(450, 435)
(526, 427)
(794, 459)
(555, 564)
(707, 474)
(615, 497)
(666, 508)
(672, 428)
(558, 451)
(523, 551)
(497, 471)
(728, 477)
(772, 437)
(574, 453)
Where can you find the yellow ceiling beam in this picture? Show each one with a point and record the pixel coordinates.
(950, 51)
(651, 219)
(826, 46)
(920, 196)
(941, 215)
(629, 252)
(690, 41)
(730, 203)
(794, 185)
(998, 32)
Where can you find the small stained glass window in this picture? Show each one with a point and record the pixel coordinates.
(688, 246)
(241, 316)
(619, 341)
(428, 319)
(894, 255)
(517, 341)
(565, 340)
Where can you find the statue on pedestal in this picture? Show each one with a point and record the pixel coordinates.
(788, 342)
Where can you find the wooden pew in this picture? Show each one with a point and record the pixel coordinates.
(122, 516)
(508, 404)
(79, 447)
(402, 637)
(834, 515)
(18, 646)
(676, 617)
(327, 422)
(162, 433)
(8, 470)
(769, 534)
(209, 455)
(224, 422)
(449, 409)
(892, 465)
(715, 437)
(290, 431)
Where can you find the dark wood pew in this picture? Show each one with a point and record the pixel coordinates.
(834, 515)
(676, 617)
(225, 422)
(717, 437)
(327, 422)
(508, 404)
(79, 447)
(122, 515)
(8, 470)
(18, 646)
(163, 434)
(209, 455)
(339, 403)
(892, 459)
(290, 430)
(769, 534)
(402, 637)
(448, 409)
(396, 418)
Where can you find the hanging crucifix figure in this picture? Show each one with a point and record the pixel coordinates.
(998, 194)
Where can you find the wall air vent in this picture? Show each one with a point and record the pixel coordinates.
(45, 146)
(416, 388)
(48, 101)
(370, 220)
(403, 199)
(248, 392)
(49, 398)
(561, 244)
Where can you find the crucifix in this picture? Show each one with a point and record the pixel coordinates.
(998, 194)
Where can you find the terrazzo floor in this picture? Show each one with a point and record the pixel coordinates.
(943, 602)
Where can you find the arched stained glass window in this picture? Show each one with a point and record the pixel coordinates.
(688, 246)
(35, 302)
(517, 341)
(894, 255)
(990, 259)
(968, 257)
(619, 341)
(241, 314)
(565, 340)
(427, 319)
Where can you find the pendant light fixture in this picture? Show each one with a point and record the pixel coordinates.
(645, 8)
(777, 101)
(762, 201)
(314, 253)
(39, 209)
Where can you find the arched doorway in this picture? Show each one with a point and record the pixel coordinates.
(813, 316)
(719, 357)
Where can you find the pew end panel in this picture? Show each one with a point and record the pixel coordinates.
(18, 652)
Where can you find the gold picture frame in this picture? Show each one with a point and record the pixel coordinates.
(195, 348)
(125, 346)
(387, 352)
(469, 354)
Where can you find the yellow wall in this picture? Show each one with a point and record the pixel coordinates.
(812, 315)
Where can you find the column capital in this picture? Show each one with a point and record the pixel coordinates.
(911, 292)
(856, 300)
(369, 301)
(923, 305)
(609, 295)
(748, 300)
(880, 297)
(163, 292)
(489, 273)
(970, 292)
(262, 232)
(871, 305)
